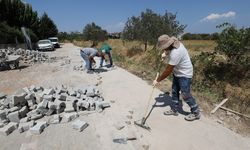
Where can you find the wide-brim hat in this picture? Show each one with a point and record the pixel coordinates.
(164, 41)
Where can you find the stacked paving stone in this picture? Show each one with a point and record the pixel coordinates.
(23, 110)
(28, 56)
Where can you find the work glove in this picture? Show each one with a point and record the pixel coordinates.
(164, 55)
(155, 83)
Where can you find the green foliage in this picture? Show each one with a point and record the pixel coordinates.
(149, 26)
(16, 14)
(202, 36)
(69, 36)
(234, 43)
(47, 28)
(94, 33)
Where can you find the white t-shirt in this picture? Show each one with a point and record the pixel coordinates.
(180, 59)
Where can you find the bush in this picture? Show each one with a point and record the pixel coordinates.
(234, 43)
(134, 51)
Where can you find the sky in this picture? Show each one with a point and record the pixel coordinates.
(200, 16)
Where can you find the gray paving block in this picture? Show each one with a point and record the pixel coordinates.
(25, 126)
(30, 98)
(25, 119)
(13, 109)
(33, 88)
(18, 99)
(39, 127)
(14, 117)
(52, 105)
(82, 90)
(55, 119)
(104, 104)
(43, 104)
(71, 98)
(62, 89)
(39, 88)
(7, 129)
(26, 90)
(72, 92)
(78, 95)
(70, 116)
(83, 104)
(79, 125)
(23, 111)
(69, 106)
(48, 97)
(63, 96)
(48, 91)
(8, 101)
(30, 113)
(1, 124)
(36, 116)
(2, 95)
(90, 92)
(39, 97)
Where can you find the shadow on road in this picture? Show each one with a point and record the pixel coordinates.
(100, 70)
(163, 100)
(7, 68)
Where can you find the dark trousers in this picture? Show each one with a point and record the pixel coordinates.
(183, 84)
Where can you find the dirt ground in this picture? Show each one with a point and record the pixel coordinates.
(128, 96)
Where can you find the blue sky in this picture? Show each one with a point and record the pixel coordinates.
(200, 16)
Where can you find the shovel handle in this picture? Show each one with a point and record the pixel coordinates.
(157, 75)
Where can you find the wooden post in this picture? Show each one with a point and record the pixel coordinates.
(235, 112)
(218, 106)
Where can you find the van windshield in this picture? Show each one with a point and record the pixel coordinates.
(53, 40)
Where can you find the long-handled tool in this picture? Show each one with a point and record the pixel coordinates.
(123, 140)
(142, 122)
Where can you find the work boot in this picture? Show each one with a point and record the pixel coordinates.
(90, 72)
(193, 116)
(170, 112)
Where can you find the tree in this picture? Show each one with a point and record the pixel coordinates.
(94, 33)
(47, 27)
(10, 34)
(149, 26)
(234, 43)
(17, 14)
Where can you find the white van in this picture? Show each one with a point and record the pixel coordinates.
(55, 42)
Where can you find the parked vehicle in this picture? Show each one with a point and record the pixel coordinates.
(55, 42)
(44, 45)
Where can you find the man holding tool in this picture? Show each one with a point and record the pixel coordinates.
(182, 68)
(88, 55)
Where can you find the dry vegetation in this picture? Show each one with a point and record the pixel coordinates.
(132, 57)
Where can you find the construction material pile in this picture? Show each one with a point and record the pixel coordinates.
(23, 110)
(28, 56)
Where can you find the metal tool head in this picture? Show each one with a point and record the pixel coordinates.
(142, 123)
(120, 141)
(124, 140)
